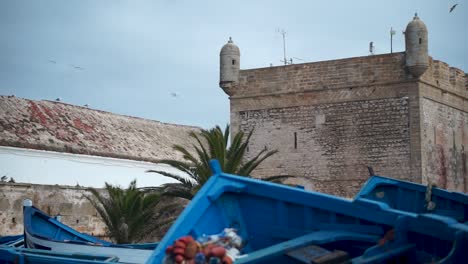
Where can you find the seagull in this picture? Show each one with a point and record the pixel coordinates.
(52, 61)
(452, 8)
(174, 94)
(58, 99)
(77, 67)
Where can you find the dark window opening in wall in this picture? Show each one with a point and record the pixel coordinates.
(420, 40)
(295, 140)
(233, 62)
(77, 221)
(13, 220)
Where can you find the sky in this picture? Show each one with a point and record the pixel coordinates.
(159, 59)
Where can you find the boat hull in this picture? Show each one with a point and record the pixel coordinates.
(127, 255)
(9, 255)
(274, 220)
(415, 198)
(44, 232)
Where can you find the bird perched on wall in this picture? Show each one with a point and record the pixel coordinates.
(57, 99)
(452, 8)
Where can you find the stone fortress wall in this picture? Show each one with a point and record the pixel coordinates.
(331, 119)
(444, 126)
(328, 122)
(75, 209)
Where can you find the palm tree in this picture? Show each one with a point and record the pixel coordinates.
(125, 212)
(231, 158)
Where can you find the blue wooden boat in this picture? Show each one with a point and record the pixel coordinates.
(12, 241)
(9, 255)
(44, 232)
(283, 224)
(415, 198)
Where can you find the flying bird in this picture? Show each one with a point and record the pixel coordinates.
(174, 94)
(77, 67)
(452, 8)
(52, 61)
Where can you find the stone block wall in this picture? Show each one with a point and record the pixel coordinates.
(331, 145)
(331, 119)
(445, 139)
(76, 211)
(444, 126)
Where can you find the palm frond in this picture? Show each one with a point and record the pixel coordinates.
(278, 178)
(131, 205)
(248, 167)
(210, 144)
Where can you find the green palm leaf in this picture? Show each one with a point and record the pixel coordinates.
(129, 207)
(211, 144)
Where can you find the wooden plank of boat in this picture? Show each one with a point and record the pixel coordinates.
(317, 255)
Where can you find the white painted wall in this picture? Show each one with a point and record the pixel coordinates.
(46, 167)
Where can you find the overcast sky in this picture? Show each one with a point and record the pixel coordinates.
(127, 57)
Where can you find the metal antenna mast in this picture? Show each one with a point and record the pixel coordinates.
(392, 32)
(283, 33)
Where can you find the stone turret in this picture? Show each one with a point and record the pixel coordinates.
(229, 66)
(417, 58)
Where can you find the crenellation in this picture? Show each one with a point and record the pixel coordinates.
(466, 82)
(457, 77)
(334, 74)
(446, 78)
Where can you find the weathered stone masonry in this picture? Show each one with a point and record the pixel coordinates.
(328, 140)
(444, 126)
(329, 127)
(69, 201)
(407, 118)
